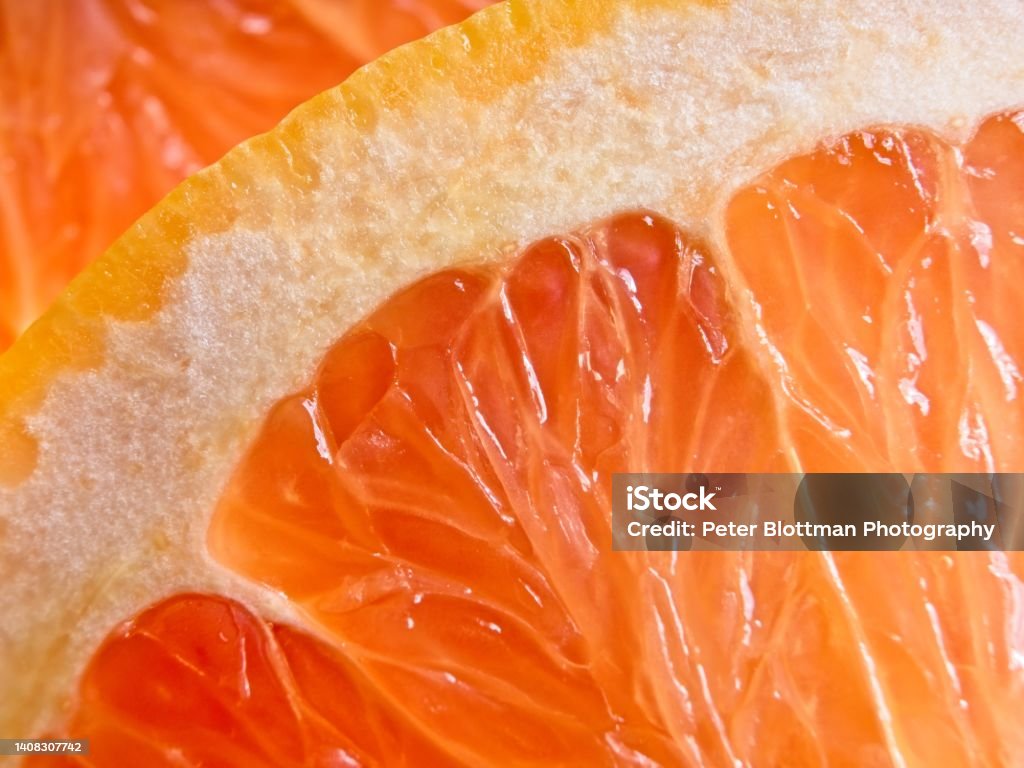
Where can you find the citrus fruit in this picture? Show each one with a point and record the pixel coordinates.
(110, 103)
(312, 467)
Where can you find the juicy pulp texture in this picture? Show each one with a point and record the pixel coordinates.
(884, 272)
(436, 501)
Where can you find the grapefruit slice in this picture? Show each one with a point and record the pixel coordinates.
(124, 98)
(323, 442)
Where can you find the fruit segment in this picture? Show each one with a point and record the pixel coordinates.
(884, 272)
(442, 510)
(199, 680)
(436, 503)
